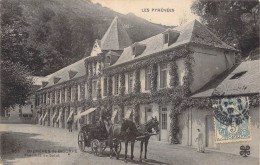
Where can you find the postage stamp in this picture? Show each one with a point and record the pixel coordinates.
(232, 120)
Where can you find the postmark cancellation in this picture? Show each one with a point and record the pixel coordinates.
(232, 120)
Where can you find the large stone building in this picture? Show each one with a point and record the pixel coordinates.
(138, 80)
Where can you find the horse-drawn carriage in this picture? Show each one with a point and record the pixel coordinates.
(102, 135)
(96, 137)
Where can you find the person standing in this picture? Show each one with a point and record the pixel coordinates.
(70, 124)
(199, 140)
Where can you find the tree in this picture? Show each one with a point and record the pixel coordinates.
(235, 22)
(15, 38)
(16, 84)
(18, 58)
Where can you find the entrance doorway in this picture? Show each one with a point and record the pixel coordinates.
(164, 124)
(210, 132)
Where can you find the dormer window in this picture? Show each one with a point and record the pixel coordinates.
(44, 83)
(170, 36)
(166, 38)
(108, 59)
(56, 80)
(138, 49)
(134, 50)
(72, 73)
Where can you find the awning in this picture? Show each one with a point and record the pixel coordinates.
(70, 116)
(53, 116)
(78, 116)
(128, 113)
(26, 111)
(45, 116)
(40, 119)
(113, 116)
(59, 117)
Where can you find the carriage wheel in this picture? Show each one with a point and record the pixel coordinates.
(94, 145)
(102, 146)
(117, 146)
(81, 141)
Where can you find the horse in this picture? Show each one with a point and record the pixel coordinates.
(146, 131)
(126, 131)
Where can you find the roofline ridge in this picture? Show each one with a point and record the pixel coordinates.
(117, 34)
(212, 34)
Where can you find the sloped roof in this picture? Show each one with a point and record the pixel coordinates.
(63, 73)
(116, 37)
(208, 89)
(248, 83)
(191, 32)
(37, 80)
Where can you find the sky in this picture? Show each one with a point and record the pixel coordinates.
(148, 9)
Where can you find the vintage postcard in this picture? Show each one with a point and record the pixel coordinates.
(130, 82)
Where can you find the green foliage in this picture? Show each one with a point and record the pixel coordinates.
(174, 81)
(16, 84)
(236, 22)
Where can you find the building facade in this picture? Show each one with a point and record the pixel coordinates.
(150, 78)
(240, 82)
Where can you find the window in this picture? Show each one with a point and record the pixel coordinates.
(76, 92)
(116, 85)
(166, 38)
(37, 99)
(79, 97)
(71, 93)
(108, 59)
(105, 87)
(130, 82)
(89, 70)
(148, 111)
(60, 96)
(147, 79)
(50, 98)
(95, 69)
(86, 89)
(163, 75)
(44, 98)
(66, 94)
(56, 97)
(94, 89)
(238, 75)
